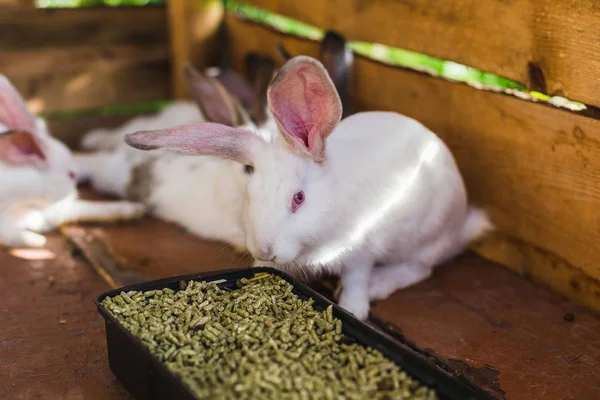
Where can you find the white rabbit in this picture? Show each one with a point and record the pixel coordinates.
(377, 188)
(203, 194)
(37, 179)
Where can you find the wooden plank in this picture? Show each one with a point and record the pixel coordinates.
(549, 45)
(536, 168)
(53, 339)
(179, 37)
(101, 257)
(22, 28)
(85, 58)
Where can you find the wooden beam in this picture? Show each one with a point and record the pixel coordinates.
(192, 29)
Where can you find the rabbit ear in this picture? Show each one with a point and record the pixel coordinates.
(260, 70)
(13, 111)
(20, 148)
(215, 102)
(238, 90)
(235, 84)
(305, 105)
(337, 59)
(204, 138)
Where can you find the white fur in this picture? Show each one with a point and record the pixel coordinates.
(180, 112)
(388, 193)
(34, 201)
(203, 194)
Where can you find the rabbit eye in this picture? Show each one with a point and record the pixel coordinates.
(297, 200)
(72, 175)
(248, 169)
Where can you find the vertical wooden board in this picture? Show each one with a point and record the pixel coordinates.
(180, 48)
(193, 28)
(560, 39)
(535, 168)
(84, 58)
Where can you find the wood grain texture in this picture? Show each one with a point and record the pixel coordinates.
(469, 311)
(482, 318)
(193, 26)
(535, 168)
(503, 37)
(40, 356)
(180, 46)
(85, 58)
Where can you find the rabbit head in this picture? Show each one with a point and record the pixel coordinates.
(29, 156)
(288, 191)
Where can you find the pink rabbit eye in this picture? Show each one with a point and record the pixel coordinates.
(297, 200)
(72, 175)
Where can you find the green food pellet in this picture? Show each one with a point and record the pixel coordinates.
(258, 341)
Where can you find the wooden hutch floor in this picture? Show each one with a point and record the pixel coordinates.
(475, 318)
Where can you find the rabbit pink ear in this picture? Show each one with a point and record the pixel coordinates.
(305, 105)
(20, 148)
(13, 111)
(206, 138)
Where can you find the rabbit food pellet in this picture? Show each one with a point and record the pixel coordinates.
(259, 341)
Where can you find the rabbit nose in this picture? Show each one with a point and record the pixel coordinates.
(266, 252)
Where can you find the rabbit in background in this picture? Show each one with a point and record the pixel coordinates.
(38, 179)
(377, 188)
(202, 194)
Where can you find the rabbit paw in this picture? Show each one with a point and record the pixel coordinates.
(386, 280)
(355, 305)
(111, 212)
(36, 221)
(32, 239)
(25, 239)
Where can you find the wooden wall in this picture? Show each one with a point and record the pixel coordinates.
(72, 59)
(534, 167)
(512, 38)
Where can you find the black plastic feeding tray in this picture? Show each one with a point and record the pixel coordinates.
(146, 377)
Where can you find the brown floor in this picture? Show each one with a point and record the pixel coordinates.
(476, 318)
